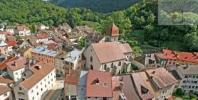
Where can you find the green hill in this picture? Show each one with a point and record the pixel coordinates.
(97, 5)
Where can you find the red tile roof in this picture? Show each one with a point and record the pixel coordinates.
(110, 51)
(3, 65)
(11, 41)
(52, 46)
(4, 89)
(17, 64)
(42, 35)
(72, 77)
(37, 75)
(161, 80)
(143, 86)
(129, 89)
(113, 30)
(182, 56)
(98, 84)
(5, 80)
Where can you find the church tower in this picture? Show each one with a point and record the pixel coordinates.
(113, 32)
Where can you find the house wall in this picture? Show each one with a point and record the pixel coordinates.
(110, 66)
(24, 33)
(189, 83)
(3, 50)
(38, 90)
(43, 58)
(95, 61)
(16, 75)
(164, 93)
(5, 96)
(115, 38)
(10, 30)
(2, 37)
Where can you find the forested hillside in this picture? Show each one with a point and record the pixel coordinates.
(97, 5)
(138, 24)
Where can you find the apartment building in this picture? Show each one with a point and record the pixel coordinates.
(189, 77)
(15, 68)
(37, 81)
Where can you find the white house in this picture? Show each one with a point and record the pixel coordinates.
(42, 27)
(10, 29)
(36, 85)
(108, 56)
(42, 37)
(3, 36)
(73, 58)
(16, 68)
(23, 30)
(189, 77)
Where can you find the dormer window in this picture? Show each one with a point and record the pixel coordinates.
(144, 90)
(96, 81)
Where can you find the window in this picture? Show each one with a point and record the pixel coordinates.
(37, 93)
(105, 67)
(32, 91)
(41, 89)
(5, 94)
(91, 67)
(111, 65)
(20, 88)
(119, 64)
(91, 58)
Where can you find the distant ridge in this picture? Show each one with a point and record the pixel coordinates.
(96, 5)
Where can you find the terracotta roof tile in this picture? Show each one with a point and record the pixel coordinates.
(4, 89)
(98, 84)
(72, 77)
(143, 86)
(38, 74)
(162, 80)
(129, 89)
(181, 56)
(5, 80)
(109, 51)
(113, 30)
(3, 65)
(17, 64)
(42, 35)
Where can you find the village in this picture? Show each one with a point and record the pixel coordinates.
(64, 63)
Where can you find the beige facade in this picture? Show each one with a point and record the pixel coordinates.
(92, 62)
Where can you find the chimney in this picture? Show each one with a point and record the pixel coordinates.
(14, 63)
